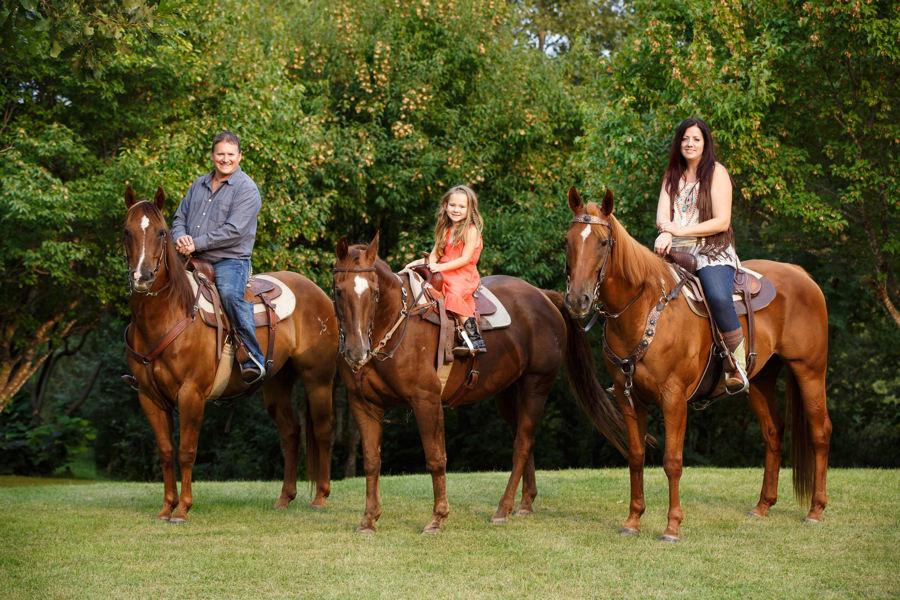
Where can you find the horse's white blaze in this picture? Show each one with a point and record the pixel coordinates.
(145, 222)
(585, 233)
(361, 285)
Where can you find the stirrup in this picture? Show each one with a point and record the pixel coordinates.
(467, 347)
(745, 378)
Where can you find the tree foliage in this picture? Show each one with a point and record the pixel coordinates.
(87, 33)
(802, 99)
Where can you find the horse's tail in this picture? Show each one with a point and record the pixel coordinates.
(803, 457)
(603, 413)
(312, 448)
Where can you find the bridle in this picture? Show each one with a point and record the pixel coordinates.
(592, 220)
(377, 351)
(131, 290)
(342, 342)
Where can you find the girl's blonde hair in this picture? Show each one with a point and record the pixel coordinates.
(444, 224)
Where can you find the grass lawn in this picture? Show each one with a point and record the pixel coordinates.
(101, 541)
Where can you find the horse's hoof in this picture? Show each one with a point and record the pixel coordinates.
(499, 520)
(669, 538)
(176, 521)
(628, 531)
(809, 521)
(432, 530)
(315, 507)
(524, 513)
(753, 514)
(365, 530)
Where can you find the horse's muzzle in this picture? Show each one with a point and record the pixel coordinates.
(579, 306)
(143, 282)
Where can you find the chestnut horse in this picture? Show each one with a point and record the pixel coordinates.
(605, 264)
(520, 366)
(161, 301)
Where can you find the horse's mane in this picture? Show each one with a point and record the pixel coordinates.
(180, 291)
(635, 263)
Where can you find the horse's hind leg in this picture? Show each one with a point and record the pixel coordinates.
(532, 394)
(164, 429)
(506, 405)
(277, 398)
(811, 434)
(765, 404)
(319, 428)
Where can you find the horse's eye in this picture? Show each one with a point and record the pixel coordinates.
(126, 233)
(162, 233)
(603, 243)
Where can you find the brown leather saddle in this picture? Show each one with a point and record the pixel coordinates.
(434, 292)
(258, 291)
(755, 294)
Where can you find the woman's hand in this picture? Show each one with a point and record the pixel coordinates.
(669, 227)
(436, 267)
(415, 263)
(663, 243)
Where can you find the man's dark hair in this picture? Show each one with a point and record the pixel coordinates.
(226, 136)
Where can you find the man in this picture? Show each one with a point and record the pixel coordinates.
(216, 220)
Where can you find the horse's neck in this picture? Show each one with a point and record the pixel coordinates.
(153, 316)
(616, 294)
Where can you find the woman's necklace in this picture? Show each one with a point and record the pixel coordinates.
(688, 200)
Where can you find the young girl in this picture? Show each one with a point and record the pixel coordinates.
(457, 246)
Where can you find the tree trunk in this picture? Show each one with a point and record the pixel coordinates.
(16, 369)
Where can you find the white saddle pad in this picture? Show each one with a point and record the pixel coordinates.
(284, 304)
(498, 319)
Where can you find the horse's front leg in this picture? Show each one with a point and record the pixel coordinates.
(164, 430)
(369, 421)
(636, 425)
(190, 417)
(675, 416)
(430, 417)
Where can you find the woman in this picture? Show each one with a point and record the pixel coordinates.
(694, 216)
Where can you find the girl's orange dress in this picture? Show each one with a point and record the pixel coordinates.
(460, 283)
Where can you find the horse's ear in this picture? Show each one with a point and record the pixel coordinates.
(160, 198)
(575, 202)
(343, 248)
(372, 250)
(129, 197)
(607, 206)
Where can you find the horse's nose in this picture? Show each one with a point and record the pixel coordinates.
(579, 306)
(356, 357)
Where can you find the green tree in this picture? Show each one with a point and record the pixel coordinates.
(88, 33)
(803, 100)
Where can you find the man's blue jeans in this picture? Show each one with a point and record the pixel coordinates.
(718, 284)
(231, 280)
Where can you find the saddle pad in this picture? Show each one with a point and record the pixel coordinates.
(765, 296)
(284, 304)
(496, 319)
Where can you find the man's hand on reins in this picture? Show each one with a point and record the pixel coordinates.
(185, 245)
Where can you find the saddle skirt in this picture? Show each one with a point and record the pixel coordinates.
(492, 312)
(761, 289)
(258, 284)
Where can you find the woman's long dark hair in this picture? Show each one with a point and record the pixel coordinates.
(715, 244)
